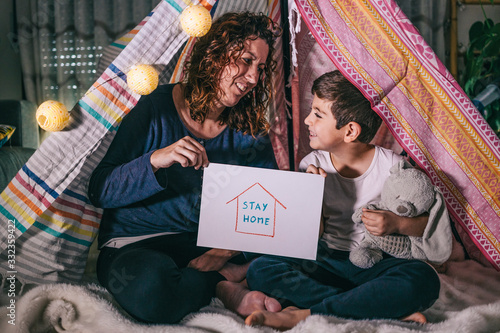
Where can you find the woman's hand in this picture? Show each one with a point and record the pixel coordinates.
(187, 152)
(315, 170)
(384, 222)
(212, 260)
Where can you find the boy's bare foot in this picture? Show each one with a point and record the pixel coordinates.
(416, 317)
(282, 321)
(238, 298)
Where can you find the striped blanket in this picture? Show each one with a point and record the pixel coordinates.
(46, 208)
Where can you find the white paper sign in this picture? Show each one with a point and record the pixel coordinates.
(260, 210)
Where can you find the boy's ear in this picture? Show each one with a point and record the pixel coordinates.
(352, 131)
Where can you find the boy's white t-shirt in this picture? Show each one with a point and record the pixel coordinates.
(343, 195)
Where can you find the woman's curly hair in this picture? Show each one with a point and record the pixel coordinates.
(212, 53)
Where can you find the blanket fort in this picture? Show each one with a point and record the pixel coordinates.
(260, 210)
(371, 42)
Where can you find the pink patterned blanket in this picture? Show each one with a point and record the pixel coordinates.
(374, 45)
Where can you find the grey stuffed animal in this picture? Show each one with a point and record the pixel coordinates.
(406, 192)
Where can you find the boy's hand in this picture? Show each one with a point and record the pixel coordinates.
(384, 222)
(380, 222)
(315, 170)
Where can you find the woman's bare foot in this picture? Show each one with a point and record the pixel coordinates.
(282, 321)
(238, 298)
(233, 272)
(416, 317)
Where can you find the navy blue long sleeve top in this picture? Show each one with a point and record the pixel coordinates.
(139, 202)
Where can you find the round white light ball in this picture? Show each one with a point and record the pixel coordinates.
(196, 20)
(143, 79)
(52, 116)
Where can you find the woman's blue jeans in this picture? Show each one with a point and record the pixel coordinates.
(332, 285)
(151, 281)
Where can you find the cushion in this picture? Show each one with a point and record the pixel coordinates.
(6, 132)
(21, 115)
(11, 160)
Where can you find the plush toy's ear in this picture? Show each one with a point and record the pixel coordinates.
(401, 165)
(436, 242)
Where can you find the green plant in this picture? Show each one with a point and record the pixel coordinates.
(482, 64)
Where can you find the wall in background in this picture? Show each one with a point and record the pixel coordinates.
(10, 64)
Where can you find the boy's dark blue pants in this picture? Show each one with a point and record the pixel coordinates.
(332, 285)
(150, 280)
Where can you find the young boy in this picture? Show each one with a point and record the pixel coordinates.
(341, 125)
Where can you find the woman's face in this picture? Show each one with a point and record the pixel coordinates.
(243, 73)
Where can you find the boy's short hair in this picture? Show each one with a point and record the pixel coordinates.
(348, 105)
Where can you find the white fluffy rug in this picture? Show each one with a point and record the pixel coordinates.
(469, 302)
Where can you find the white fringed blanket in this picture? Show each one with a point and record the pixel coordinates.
(469, 302)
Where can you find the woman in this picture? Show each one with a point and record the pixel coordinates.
(149, 182)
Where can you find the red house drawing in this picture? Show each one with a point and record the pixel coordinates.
(256, 211)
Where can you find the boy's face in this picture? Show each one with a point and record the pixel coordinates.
(323, 134)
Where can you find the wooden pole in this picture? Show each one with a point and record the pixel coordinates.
(454, 40)
(286, 68)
